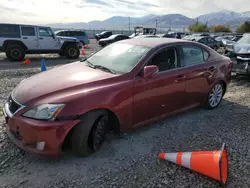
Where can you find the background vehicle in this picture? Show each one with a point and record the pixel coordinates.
(111, 39)
(138, 30)
(154, 76)
(146, 36)
(239, 52)
(17, 40)
(102, 35)
(80, 35)
(209, 41)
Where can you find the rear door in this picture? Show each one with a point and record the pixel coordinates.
(29, 37)
(199, 72)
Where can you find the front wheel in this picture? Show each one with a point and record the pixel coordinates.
(89, 135)
(72, 51)
(215, 96)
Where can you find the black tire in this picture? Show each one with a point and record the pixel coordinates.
(89, 135)
(61, 54)
(208, 105)
(72, 51)
(15, 52)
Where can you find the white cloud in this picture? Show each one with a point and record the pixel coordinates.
(61, 11)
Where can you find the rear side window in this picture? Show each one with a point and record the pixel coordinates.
(9, 31)
(192, 55)
(78, 33)
(28, 31)
(206, 55)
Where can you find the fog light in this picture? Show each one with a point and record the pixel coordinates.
(40, 145)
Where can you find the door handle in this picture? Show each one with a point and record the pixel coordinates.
(25, 37)
(41, 38)
(180, 78)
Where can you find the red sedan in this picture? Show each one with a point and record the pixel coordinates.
(125, 85)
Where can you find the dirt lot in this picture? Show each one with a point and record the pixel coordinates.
(131, 161)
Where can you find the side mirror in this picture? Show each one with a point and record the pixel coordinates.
(150, 70)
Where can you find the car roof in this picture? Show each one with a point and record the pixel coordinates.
(28, 25)
(152, 42)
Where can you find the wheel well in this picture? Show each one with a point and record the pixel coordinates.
(114, 126)
(224, 86)
(65, 44)
(9, 42)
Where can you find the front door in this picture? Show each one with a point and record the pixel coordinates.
(199, 73)
(47, 41)
(161, 94)
(29, 37)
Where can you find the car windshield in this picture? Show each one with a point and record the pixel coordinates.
(119, 57)
(244, 40)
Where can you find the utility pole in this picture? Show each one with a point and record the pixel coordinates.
(170, 25)
(156, 23)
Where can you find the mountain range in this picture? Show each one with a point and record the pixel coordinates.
(162, 21)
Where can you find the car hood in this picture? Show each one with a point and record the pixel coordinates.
(105, 39)
(57, 79)
(242, 48)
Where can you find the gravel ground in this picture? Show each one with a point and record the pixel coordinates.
(131, 161)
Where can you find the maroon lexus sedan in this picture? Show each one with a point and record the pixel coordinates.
(125, 85)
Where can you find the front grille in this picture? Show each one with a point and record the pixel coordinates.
(13, 105)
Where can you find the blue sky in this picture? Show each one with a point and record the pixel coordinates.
(62, 11)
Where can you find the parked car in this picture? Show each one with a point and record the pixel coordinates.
(111, 39)
(18, 40)
(146, 36)
(80, 35)
(149, 77)
(209, 41)
(239, 52)
(102, 35)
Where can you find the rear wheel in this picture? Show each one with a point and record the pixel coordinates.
(215, 96)
(89, 135)
(15, 52)
(72, 51)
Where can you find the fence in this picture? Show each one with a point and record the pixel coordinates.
(91, 32)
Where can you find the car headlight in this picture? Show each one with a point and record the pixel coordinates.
(44, 111)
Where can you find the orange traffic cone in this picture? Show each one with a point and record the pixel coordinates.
(213, 164)
(25, 62)
(82, 50)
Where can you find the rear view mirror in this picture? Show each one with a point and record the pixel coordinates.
(150, 70)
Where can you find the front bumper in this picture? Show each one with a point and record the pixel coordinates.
(28, 134)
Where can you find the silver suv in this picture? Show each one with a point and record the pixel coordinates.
(18, 40)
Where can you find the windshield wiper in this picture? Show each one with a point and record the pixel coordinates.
(88, 62)
(104, 68)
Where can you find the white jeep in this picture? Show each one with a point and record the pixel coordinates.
(16, 40)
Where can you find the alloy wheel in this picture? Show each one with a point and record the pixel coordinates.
(215, 95)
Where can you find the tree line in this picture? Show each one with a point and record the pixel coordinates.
(200, 27)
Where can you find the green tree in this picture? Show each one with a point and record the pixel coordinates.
(198, 27)
(244, 28)
(220, 28)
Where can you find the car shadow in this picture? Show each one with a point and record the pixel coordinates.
(241, 80)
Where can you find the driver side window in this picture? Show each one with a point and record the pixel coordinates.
(165, 60)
